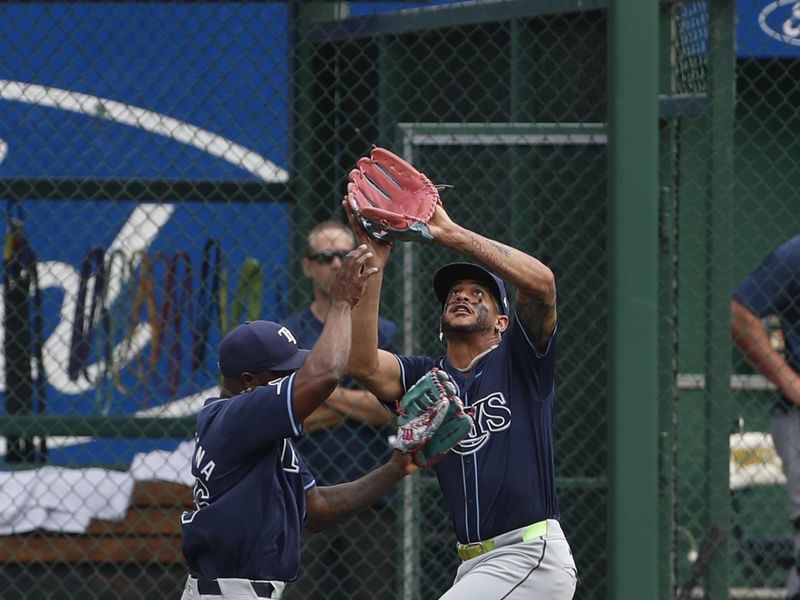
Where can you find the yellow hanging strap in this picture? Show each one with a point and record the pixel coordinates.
(113, 313)
(144, 297)
(249, 291)
(212, 296)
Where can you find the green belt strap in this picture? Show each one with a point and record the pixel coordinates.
(468, 551)
(534, 531)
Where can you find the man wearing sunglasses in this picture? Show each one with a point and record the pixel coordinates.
(346, 437)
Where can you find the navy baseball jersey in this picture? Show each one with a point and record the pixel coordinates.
(250, 488)
(502, 475)
(349, 450)
(773, 288)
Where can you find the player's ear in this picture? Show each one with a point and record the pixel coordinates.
(248, 381)
(501, 324)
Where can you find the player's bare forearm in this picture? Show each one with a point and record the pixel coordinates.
(329, 505)
(367, 364)
(325, 365)
(363, 357)
(528, 274)
(751, 338)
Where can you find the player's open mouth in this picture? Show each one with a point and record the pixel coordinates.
(461, 309)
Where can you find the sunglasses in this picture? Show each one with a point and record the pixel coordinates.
(326, 258)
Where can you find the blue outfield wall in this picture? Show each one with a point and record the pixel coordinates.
(154, 91)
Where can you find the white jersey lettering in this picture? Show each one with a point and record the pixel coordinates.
(201, 498)
(207, 468)
(289, 459)
(491, 414)
(199, 453)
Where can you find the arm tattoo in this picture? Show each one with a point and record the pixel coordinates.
(537, 315)
(484, 255)
(501, 249)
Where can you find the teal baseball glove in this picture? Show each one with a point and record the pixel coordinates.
(432, 418)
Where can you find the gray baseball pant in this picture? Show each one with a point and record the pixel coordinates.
(541, 568)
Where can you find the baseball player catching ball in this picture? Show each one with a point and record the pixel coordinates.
(498, 482)
(253, 494)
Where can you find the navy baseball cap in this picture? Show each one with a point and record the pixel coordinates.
(257, 346)
(450, 273)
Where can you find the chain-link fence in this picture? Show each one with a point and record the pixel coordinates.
(750, 111)
(162, 165)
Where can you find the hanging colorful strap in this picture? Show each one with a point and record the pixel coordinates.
(249, 291)
(92, 273)
(114, 313)
(212, 296)
(40, 378)
(24, 336)
(177, 303)
(143, 299)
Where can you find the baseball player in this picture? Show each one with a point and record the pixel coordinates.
(499, 482)
(253, 494)
(773, 288)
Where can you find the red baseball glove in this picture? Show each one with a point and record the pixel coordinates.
(390, 198)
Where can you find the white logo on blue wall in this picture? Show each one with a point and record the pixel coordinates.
(491, 414)
(780, 20)
(141, 118)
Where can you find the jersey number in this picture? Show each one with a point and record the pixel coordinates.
(289, 460)
(201, 497)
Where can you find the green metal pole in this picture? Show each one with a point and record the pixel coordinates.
(667, 324)
(668, 320)
(718, 290)
(633, 319)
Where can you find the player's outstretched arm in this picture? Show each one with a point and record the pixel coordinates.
(328, 505)
(325, 364)
(377, 370)
(535, 282)
(751, 338)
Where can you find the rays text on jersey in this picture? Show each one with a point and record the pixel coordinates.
(490, 414)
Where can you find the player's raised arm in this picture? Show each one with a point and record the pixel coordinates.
(536, 289)
(325, 364)
(377, 370)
